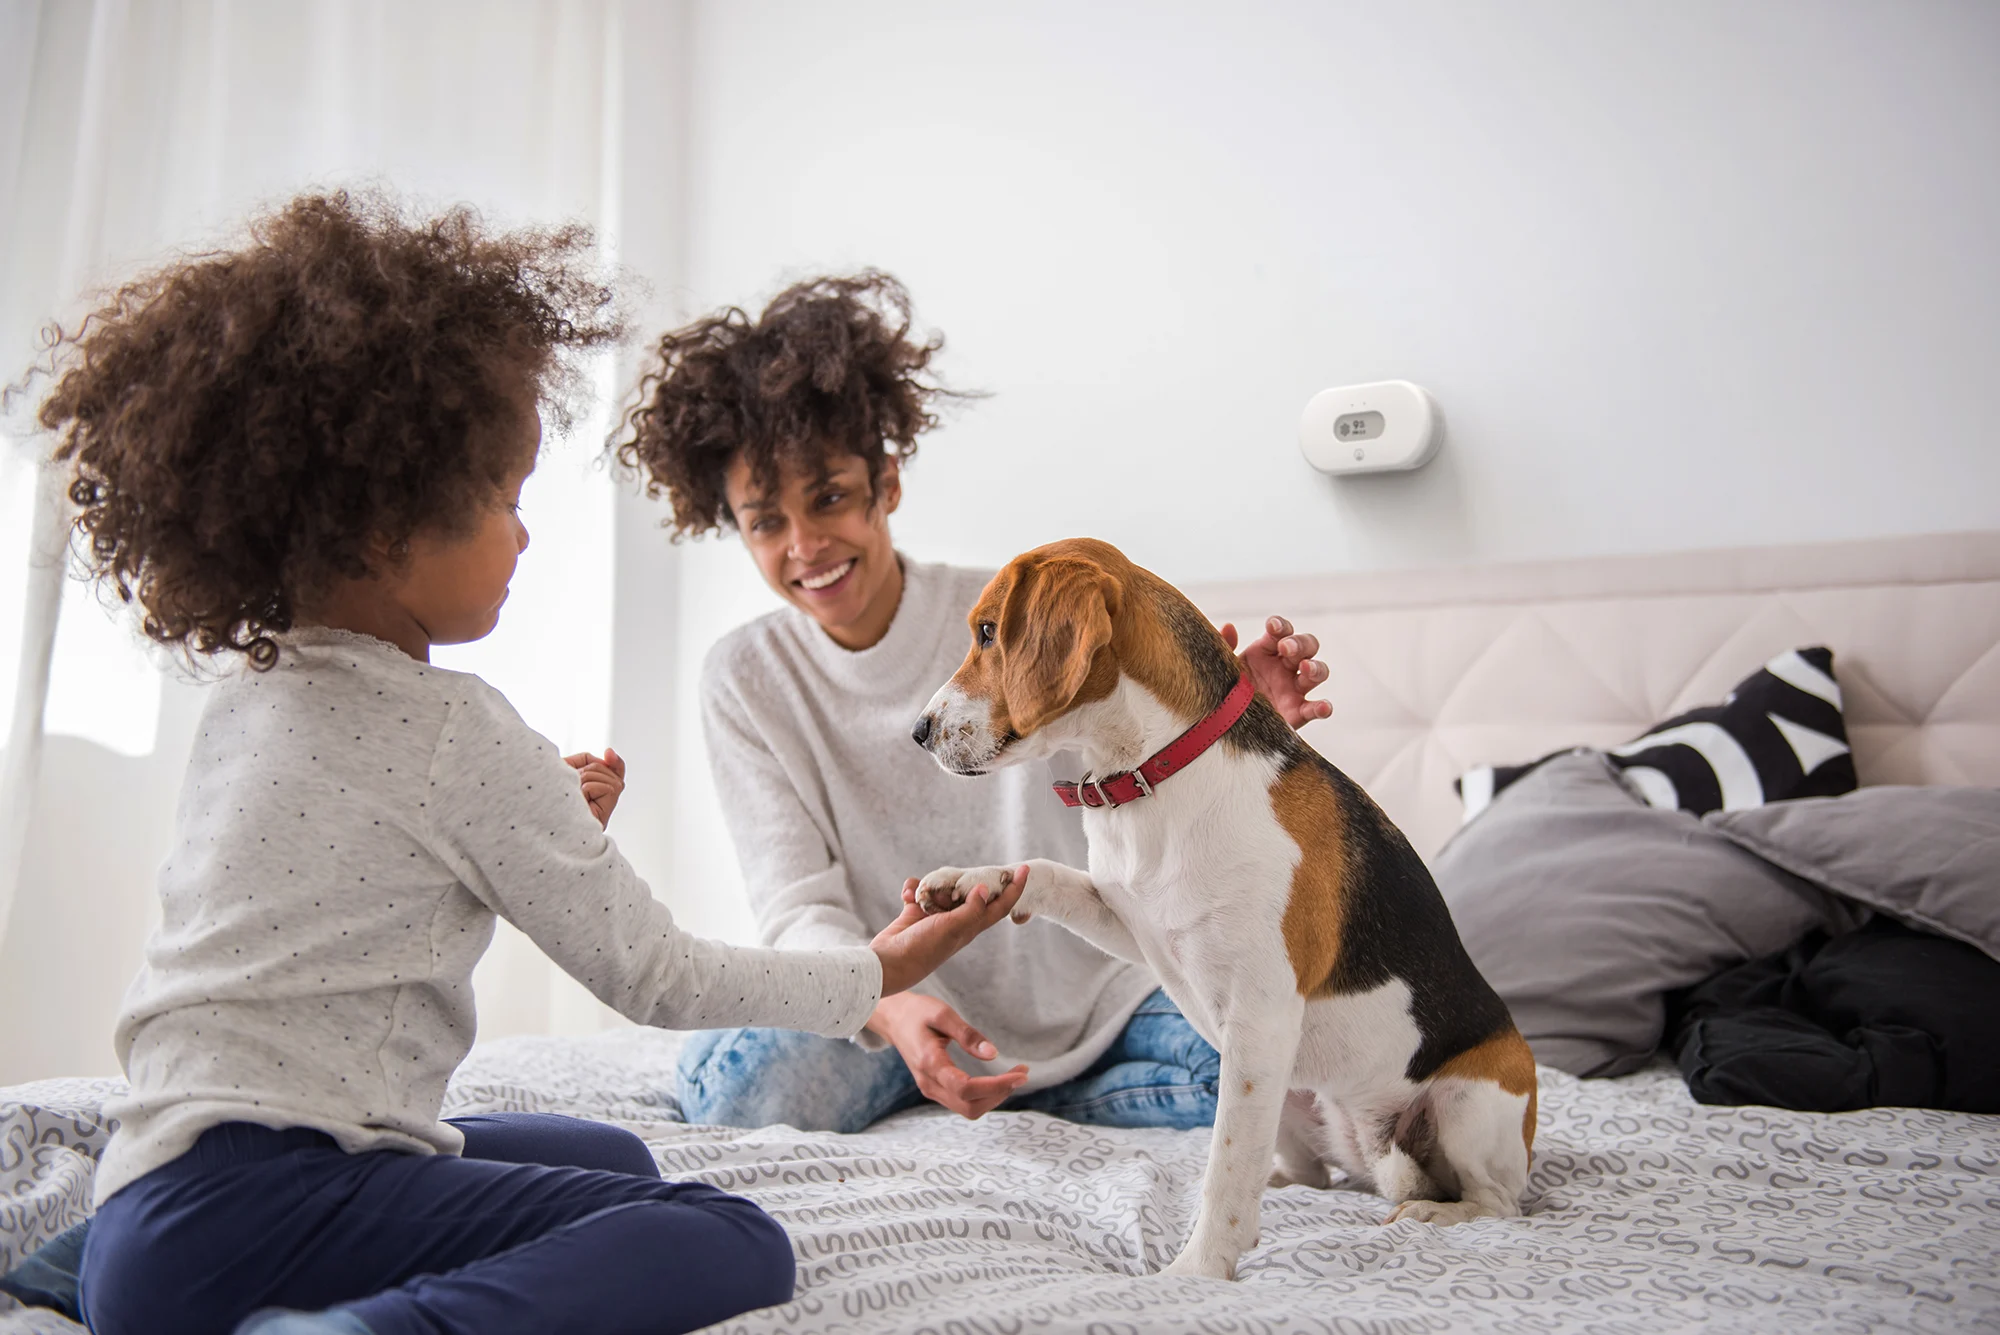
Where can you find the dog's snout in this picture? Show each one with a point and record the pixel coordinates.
(921, 734)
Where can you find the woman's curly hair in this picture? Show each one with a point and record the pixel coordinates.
(244, 427)
(829, 368)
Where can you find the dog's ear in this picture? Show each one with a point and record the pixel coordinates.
(1056, 618)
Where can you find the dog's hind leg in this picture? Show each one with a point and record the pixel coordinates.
(1260, 1037)
(1483, 1132)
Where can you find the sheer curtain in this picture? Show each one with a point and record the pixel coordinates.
(132, 128)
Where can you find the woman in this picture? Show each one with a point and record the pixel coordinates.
(792, 430)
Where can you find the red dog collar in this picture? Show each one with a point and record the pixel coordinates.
(1129, 785)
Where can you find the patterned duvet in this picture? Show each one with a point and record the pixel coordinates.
(1647, 1212)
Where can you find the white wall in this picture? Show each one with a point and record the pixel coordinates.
(1682, 273)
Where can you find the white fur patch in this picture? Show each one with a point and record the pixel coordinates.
(961, 739)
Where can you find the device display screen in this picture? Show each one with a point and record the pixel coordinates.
(1358, 426)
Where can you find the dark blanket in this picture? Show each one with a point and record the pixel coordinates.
(1883, 1016)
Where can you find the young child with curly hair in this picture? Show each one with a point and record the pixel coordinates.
(792, 429)
(303, 459)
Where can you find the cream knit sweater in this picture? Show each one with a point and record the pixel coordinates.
(832, 805)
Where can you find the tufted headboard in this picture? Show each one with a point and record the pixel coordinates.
(1436, 671)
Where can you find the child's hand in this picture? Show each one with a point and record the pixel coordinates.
(602, 778)
(916, 943)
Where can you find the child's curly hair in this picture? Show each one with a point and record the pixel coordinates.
(829, 368)
(245, 427)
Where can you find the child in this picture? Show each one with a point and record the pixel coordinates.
(791, 429)
(304, 457)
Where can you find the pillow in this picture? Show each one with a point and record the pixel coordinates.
(1927, 856)
(1779, 734)
(1583, 906)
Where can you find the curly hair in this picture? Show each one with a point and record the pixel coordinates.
(245, 426)
(829, 368)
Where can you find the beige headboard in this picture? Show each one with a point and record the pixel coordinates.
(1435, 671)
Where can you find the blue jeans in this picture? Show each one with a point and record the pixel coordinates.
(1158, 1072)
(547, 1223)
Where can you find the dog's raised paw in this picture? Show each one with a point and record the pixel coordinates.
(948, 887)
(939, 892)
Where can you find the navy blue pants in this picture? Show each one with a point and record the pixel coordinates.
(547, 1223)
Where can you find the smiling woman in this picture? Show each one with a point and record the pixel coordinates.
(792, 429)
(821, 540)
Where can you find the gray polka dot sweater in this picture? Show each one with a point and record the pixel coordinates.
(351, 823)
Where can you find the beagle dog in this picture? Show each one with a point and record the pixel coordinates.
(1294, 926)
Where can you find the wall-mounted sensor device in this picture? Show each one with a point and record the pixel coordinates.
(1376, 428)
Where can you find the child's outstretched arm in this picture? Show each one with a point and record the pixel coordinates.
(507, 815)
(913, 946)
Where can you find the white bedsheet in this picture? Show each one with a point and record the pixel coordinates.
(1647, 1212)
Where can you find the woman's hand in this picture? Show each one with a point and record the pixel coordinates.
(602, 779)
(1285, 667)
(916, 943)
(923, 1029)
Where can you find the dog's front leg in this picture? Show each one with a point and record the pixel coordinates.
(1260, 1041)
(1055, 891)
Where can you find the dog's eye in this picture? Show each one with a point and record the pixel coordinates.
(985, 634)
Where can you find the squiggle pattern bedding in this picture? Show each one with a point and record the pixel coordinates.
(1648, 1212)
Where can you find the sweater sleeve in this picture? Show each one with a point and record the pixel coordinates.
(507, 815)
(798, 889)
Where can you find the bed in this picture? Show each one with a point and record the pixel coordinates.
(1646, 1211)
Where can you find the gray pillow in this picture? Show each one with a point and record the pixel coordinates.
(1928, 856)
(1582, 905)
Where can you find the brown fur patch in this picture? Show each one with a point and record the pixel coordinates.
(1070, 617)
(1508, 1062)
(1310, 813)
(1052, 618)
(1055, 620)
(1148, 650)
(1140, 605)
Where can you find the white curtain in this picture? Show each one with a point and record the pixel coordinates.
(132, 128)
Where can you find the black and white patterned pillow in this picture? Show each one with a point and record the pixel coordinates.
(1779, 734)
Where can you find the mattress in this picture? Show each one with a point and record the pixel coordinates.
(1646, 1212)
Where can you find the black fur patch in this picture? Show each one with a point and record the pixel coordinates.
(1394, 922)
(1261, 729)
